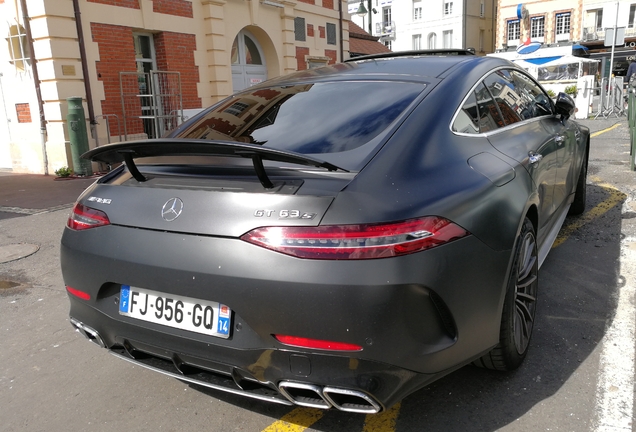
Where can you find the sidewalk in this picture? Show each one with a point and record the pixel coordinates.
(25, 194)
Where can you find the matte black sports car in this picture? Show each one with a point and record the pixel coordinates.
(338, 237)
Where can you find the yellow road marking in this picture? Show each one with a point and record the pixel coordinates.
(615, 198)
(383, 422)
(595, 134)
(296, 420)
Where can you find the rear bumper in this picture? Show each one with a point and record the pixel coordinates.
(278, 376)
(417, 317)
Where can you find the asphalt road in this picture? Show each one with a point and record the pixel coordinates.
(578, 376)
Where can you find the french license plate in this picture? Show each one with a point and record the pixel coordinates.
(180, 312)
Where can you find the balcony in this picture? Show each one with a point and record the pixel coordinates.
(386, 30)
(592, 34)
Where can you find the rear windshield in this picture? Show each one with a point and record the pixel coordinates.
(318, 118)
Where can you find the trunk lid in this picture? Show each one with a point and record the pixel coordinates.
(212, 189)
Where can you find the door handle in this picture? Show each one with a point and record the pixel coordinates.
(534, 158)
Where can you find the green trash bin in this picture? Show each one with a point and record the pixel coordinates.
(78, 136)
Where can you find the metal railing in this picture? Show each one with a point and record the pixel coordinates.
(106, 117)
(386, 29)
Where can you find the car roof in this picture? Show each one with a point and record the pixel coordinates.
(418, 66)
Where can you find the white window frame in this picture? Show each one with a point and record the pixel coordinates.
(432, 41)
(598, 18)
(448, 8)
(417, 42)
(537, 28)
(386, 16)
(513, 28)
(140, 61)
(19, 48)
(447, 36)
(562, 21)
(417, 10)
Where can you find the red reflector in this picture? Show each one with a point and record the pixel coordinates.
(83, 217)
(318, 344)
(340, 242)
(78, 293)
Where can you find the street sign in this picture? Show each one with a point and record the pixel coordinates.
(609, 36)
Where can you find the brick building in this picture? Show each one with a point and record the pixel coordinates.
(547, 21)
(142, 65)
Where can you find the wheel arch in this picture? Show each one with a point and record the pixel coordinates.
(533, 214)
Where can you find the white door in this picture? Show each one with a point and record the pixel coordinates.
(248, 62)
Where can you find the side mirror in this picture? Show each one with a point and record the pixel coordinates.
(564, 105)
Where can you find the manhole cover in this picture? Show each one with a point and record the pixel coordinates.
(14, 252)
(8, 284)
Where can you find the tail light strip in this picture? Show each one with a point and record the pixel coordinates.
(83, 217)
(368, 241)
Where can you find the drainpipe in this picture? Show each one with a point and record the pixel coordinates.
(87, 82)
(36, 79)
(370, 6)
(341, 30)
(464, 20)
(495, 19)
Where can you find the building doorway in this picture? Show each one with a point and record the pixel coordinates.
(248, 62)
(151, 100)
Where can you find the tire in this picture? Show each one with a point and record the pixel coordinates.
(517, 319)
(578, 205)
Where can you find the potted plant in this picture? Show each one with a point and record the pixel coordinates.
(571, 91)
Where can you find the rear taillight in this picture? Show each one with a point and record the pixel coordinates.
(83, 217)
(368, 241)
(77, 293)
(317, 344)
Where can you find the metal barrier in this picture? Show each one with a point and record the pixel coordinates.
(612, 98)
(631, 120)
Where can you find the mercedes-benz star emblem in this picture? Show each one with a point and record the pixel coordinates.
(172, 209)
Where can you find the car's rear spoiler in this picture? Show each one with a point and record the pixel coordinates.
(127, 151)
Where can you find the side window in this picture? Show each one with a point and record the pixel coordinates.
(502, 88)
(535, 103)
(503, 98)
(467, 120)
(489, 116)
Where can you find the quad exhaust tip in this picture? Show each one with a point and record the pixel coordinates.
(88, 332)
(351, 400)
(301, 394)
(306, 395)
(313, 396)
